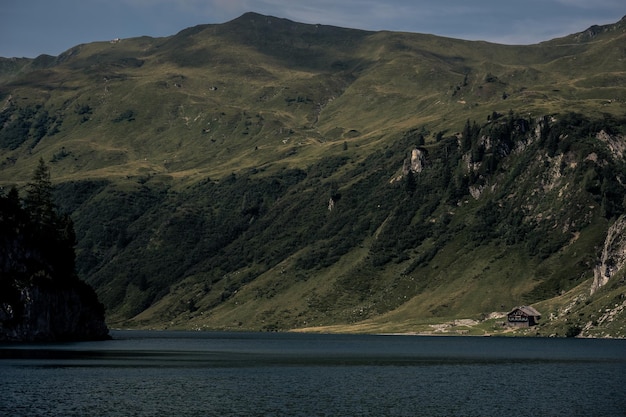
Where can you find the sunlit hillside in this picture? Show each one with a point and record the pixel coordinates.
(267, 174)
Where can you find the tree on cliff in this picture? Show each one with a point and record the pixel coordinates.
(38, 201)
(41, 296)
(56, 232)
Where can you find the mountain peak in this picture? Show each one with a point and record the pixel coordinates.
(257, 18)
(253, 15)
(595, 30)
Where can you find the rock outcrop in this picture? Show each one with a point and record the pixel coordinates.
(616, 144)
(613, 256)
(416, 162)
(42, 312)
(41, 296)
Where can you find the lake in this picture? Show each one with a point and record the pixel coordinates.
(149, 373)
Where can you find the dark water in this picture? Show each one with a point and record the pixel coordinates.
(261, 374)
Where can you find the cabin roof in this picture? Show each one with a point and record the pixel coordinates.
(528, 310)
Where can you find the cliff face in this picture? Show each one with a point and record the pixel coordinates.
(41, 297)
(613, 256)
(42, 312)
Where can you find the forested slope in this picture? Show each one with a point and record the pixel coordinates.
(265, 174)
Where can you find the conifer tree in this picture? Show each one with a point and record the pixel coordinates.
(54, 234)
(38, 201)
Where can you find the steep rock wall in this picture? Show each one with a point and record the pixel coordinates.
(42, 312)
(613, 255)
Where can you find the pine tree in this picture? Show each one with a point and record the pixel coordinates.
(54, 234)
(38, 201)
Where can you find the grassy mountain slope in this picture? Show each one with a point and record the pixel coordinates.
(252, 174)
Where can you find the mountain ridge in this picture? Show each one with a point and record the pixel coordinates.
(241, 175)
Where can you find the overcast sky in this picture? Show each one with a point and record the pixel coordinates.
(33, 27)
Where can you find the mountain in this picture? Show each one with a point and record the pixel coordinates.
(267, 174)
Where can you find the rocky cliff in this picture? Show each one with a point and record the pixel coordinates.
(43, 312)
(41, 297)
(613, 256)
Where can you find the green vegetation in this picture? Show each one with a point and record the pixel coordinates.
(26, 124)
(37, 247)
(36, 224)
(236, 177)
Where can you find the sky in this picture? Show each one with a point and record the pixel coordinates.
(29, 28)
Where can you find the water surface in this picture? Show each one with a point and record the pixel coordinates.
(272, 374)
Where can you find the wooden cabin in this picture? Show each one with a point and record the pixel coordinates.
(523, 316)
